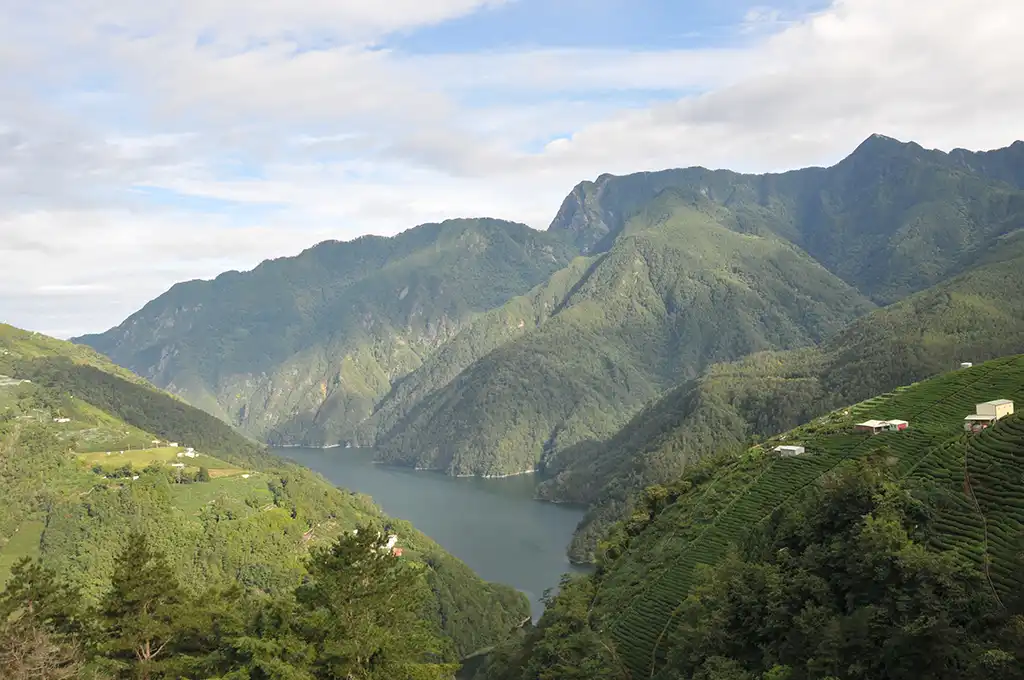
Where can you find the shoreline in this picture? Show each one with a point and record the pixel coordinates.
(530, 471)
(511, 474)
(307, 446)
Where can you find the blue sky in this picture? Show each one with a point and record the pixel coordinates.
(658, 24)
(144, 143)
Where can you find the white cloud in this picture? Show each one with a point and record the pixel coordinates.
(940, 72)
(343, 138)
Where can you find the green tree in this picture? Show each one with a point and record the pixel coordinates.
(271, 646)
(362, 610)
(564, 645)
(204, 475)
(40, 623)
(842, 585)
(34, 592)
(140, 610)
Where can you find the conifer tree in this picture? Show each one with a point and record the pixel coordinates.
(34, 591)
(363, 611)
(41, 621)
(139, 611)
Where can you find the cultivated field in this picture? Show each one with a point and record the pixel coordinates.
(981, 475)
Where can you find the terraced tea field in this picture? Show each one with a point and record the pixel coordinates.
(981, 478)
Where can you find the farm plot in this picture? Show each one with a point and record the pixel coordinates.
(932, 449)
(138, 459)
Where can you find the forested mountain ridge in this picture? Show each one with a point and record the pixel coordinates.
(973, 317)
(301, 348)
(888, 556)
(887, 221)
(680, 288)
(890, 219)
(87, 456)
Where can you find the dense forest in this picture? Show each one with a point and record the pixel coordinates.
(839, 585)
(359, 612)
(897, 555)
(88, 457)
(973, 317)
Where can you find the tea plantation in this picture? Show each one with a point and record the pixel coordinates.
(974, 482)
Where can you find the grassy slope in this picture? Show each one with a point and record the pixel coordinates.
(640, 590)
(252, 530)
(299, 349)
(681, 288)
(973, 317)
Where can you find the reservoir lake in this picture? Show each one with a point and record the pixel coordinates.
(493, 525)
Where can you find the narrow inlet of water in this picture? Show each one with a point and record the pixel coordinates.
(493, 525)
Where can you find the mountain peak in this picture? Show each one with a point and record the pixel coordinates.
(881, 143)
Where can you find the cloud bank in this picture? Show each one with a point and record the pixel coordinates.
(146, 143)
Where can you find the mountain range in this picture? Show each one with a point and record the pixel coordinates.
(661, 316)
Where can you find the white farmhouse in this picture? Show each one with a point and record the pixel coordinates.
(987, 413)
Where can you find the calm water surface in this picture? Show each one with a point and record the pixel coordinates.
(493, 525)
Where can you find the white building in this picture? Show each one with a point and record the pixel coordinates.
(876, 426)
(987, 413)
(997, 408)
(789, 450)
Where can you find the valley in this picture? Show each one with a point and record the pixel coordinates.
(512, 340)
(495, 526)
(591, 411)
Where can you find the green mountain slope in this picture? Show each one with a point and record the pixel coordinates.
(973, 317)
(890, 219)
(89, 453)
(300, 349)
(968, 492)
(682, 286)
(368, 340)
(489, 331)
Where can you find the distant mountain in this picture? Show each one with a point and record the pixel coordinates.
(890, 219)
(300, 349)
(90, 452)
(483, 347)
(976, 316)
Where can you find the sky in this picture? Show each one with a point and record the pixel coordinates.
(145, 142)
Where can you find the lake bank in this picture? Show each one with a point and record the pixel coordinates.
(494, 525)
